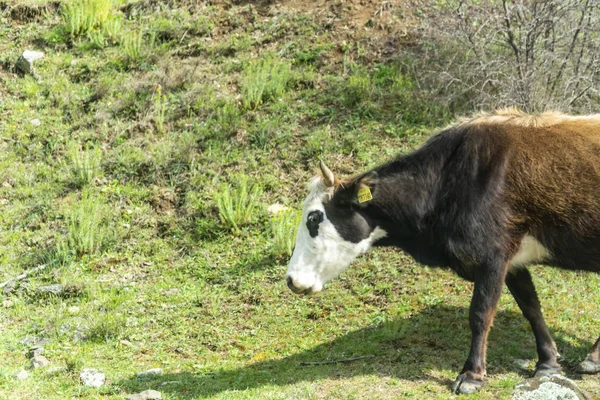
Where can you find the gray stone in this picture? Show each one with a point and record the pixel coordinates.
(552, 387)
(25, 62)
(150, 373)
(92, 377)
(167, 383)
(33, 340)
(10, 286)
(127, 343)
(35, 351)
(22, 375)
(64, 328)
(524, 365)
(38, 361)
(55, 370)
(79, 336)
(56, 289)
(35, 122)
(145, 395)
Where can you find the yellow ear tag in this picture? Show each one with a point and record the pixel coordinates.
(364, 194)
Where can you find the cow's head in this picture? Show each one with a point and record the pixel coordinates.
(335, 229)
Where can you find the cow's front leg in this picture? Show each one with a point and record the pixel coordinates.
(486, 293)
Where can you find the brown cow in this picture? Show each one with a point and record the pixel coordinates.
(485, 197)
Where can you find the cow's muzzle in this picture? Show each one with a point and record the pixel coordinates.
(295, 289)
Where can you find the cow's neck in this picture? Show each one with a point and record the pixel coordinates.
(403, 200)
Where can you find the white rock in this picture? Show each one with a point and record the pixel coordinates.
(22, 375)
(127, 343)
(150, 373)
(10, 286)
(35, 351)
(92, 377)
(553, 387)
(73, 310)
(276, 208)
(170, 383)
(79, 336)
(35, 122)
(25, 62)
(38, 361)
(145, 395)
(56, 289)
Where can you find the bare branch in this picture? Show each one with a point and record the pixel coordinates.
(571, 47)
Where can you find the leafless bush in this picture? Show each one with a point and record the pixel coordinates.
(484, 54)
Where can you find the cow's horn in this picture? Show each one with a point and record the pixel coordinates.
(327, 174)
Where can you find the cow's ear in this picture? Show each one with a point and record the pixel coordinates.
(365, 189)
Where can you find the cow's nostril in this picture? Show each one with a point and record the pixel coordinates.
(294, 288)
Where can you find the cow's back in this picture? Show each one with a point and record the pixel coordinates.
(552, 182)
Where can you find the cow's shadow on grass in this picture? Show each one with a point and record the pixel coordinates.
(437, 339)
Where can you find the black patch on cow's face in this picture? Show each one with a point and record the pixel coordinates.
(312, 222)
(348, 222)
(348, 216)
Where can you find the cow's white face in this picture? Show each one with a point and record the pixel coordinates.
(321, 253)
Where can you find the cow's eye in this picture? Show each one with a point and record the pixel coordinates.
(315, 218)
(312, 222)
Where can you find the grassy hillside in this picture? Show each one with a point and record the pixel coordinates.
(138, 162)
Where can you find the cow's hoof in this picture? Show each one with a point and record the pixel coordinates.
(588, 366)
(465, 385)
(546, 370)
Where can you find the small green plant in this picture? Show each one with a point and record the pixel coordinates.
(284, 225)
(160, 108)
(262, 133)
(132, 44)
(81, 16)
(86, 224)
(228, 118)
(98, 40)
(111, 28)
(83, 165)
(237, 206)
(106, 327)
(265, 80)
(359, 88)
(55, 257)
(110, 33)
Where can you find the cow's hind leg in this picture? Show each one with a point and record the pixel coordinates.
(521, 286)
(486, 293)
(591, 365)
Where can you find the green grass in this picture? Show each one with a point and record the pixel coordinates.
(87, 222)
(132, 44)
(141, 201)
(81, 16)
(82, 165)
(284, 225)
(238, 206)
(265, 80)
